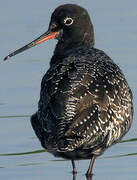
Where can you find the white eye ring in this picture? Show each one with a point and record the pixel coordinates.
(68, 21)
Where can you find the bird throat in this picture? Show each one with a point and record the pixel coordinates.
(63, 48)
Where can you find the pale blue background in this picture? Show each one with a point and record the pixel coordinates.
(115, 24)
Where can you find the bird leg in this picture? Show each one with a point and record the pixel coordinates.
(89, 171)
(74, 167)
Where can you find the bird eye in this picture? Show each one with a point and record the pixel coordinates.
(68, 21)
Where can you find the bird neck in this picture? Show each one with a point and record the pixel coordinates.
(63, 50)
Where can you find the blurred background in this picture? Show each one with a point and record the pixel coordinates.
(21, 156)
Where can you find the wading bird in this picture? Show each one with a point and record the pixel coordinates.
(85, 101)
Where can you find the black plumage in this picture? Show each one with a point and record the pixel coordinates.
(85, 102)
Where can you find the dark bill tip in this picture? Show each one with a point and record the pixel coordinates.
(7, 57)
(10, 55)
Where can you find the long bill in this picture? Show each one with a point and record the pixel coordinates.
(42, 38)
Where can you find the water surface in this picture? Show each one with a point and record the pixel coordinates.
(21, 156)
